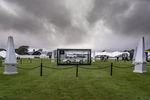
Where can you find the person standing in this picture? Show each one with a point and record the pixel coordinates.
(117, 58)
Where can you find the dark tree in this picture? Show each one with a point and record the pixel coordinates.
(22, 50)
(1, 49)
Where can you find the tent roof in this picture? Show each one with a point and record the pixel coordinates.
(111, 54)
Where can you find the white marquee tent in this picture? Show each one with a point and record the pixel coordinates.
(111, 54)
(3, 54)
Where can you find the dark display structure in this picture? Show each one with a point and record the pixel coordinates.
(74, 56)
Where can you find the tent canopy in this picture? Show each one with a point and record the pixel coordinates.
(3, 54)
(111, 54)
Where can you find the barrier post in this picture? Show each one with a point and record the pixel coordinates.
(21, 61)
(41, 61)
(111, 69)
(77, 70)
(41, 70)
(31, 60)
(0, 62)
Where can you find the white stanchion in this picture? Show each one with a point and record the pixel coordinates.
(93, 56)
(53, 56)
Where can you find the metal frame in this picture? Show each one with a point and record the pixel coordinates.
(74, 50)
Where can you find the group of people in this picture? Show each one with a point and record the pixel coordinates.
(125, 57)
(104, 58)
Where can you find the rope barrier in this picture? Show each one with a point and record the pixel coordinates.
(94, 68)
(124, 67)
(58, 68)
(37, 60)
(29, 64)
(28, 68)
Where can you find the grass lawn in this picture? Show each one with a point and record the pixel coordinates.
(63, 85)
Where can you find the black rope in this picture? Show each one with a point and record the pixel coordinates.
(94, 68)
(124, 67)
(37, 60)
(59, 68)
(28, 68)
(28, 64)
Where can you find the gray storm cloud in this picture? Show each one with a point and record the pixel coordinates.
(34, 13)
(97, 24)
(123, 16)
(44, 17)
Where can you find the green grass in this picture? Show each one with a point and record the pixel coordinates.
(63, 85)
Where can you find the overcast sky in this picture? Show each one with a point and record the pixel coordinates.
(95, 24)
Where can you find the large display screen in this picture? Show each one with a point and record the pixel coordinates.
(73, 56)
